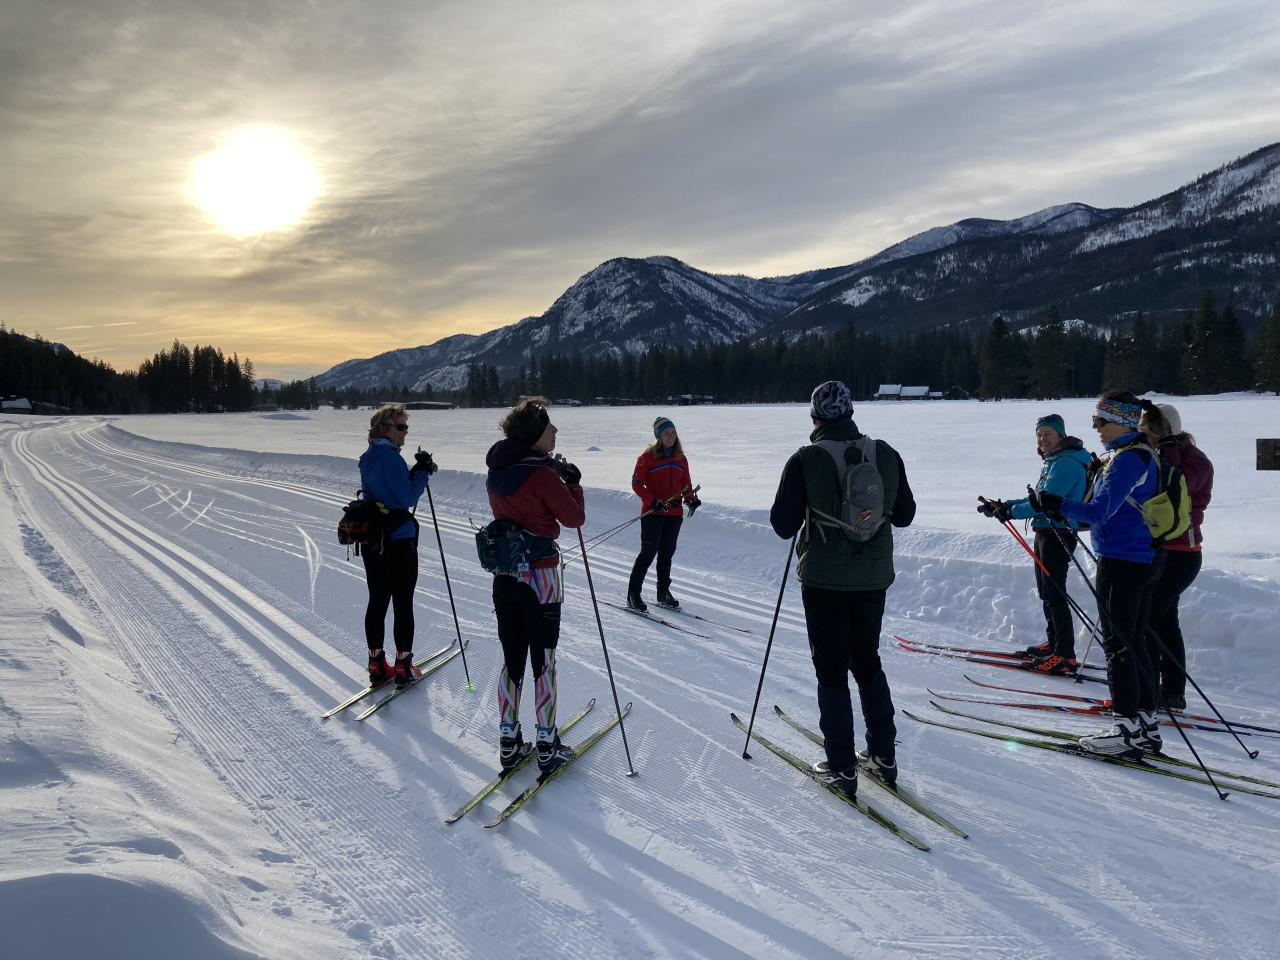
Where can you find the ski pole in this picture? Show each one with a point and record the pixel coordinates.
(1144, 668)
(448, 586)
(1151, 632)
(631, 770)
(769, 646)
(1071, 601)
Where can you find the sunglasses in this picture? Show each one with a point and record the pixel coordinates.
(1098, 423)
(399, 426)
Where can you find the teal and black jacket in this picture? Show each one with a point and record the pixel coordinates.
(1063, 472)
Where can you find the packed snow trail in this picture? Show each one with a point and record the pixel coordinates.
(222, 591)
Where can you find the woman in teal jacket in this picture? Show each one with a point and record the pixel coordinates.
(1064, 473)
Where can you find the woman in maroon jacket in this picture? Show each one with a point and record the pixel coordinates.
(538, 493)
(1163, 429)
(661, 481)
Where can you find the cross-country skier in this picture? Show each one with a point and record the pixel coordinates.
(843, 586)
(1063, 472)
(1129, 564)
(661, 481)
(391, 566)
(530, 488)
(1163, 428)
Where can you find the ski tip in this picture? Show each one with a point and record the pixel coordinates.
(591, 703)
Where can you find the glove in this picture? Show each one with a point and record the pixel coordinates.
(996, 508)
(568, 472)
(656, 505)
(693, 505)
(1049, 504)
(424, 462)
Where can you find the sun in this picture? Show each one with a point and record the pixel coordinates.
(256, 182)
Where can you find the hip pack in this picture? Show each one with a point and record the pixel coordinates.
(365, 523)
(503, 546)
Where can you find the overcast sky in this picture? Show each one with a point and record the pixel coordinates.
(475, 158)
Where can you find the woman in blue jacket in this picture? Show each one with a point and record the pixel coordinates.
(1129, 564)
(391, 563)
(1063, 473)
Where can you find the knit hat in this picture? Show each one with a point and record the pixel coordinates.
(1052, 420)
(1171, 417)
(660, 424)
(528, 425)
(1117, 411)
(830, 401)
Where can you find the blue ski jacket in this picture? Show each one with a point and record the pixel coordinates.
(1116, 526)
(1063, 472)
(384, 477)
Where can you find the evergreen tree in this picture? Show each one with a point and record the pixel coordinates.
(1049, 362)
(1001, 363)
(1266, 352)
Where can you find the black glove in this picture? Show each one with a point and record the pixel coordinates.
(693, 505)
(996, 508)
(1049, 504)
(568, 472)
(424, 463)
(656, 505)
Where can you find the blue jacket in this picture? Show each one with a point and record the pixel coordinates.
(384, 476)
(1063, 473)
(1116, 527)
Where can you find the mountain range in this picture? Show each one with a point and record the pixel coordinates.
(1096, 265)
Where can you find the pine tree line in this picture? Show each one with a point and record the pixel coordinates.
(45, 373)
(197, 380)
(1204, 352)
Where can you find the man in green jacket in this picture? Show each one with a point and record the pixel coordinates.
(845, 568)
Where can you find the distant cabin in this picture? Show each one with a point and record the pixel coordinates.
(896, 391)
(16, 405)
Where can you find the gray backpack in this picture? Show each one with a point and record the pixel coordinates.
(862, 509)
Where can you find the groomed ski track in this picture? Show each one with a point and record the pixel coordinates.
(214, 579)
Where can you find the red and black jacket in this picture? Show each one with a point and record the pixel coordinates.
(663, 477)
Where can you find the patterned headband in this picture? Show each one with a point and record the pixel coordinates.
(1117, 411)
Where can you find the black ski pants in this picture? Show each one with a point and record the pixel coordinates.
(1181, 567)
(526, 627)
(844, 638)
(392, 577)
(1054, 548)
(658, 536)
(1124, 605)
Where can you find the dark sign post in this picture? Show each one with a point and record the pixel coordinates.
(1269, 454)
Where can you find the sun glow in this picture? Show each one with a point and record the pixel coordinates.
(256, 182)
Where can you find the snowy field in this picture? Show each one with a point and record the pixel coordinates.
(177, 615)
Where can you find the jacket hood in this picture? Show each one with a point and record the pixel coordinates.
(1068, 445)
(510, 464)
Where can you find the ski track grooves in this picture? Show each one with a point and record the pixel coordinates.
(211, 658)
(268, 752)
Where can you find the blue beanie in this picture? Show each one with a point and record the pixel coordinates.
(660, 424)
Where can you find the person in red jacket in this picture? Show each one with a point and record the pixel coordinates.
(538, 493)
(661, 481)
(1163, 428)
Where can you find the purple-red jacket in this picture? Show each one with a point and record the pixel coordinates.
(1198, 470)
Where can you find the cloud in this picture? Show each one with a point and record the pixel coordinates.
(476, 158)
